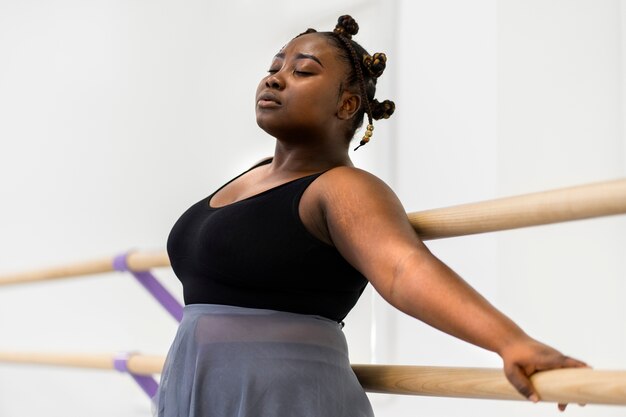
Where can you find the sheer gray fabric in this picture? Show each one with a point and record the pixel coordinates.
(230, 361)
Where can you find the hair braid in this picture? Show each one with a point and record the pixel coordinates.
(364, 73)
(359, 74)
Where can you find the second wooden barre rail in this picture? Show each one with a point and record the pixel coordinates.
(565, 204)
(136, 261)
(582, 386)
(138, 364)
(563, 386)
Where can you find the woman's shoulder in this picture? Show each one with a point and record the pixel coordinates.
(345, 199)
(352, 178)
(345, 187)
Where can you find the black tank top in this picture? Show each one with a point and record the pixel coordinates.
(257, 253)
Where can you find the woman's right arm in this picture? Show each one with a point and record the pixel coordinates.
(369, 227)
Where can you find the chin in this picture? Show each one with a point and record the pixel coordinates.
(270, 123)
(267, 127)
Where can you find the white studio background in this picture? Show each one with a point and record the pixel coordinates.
(116, 116)
(507, 97)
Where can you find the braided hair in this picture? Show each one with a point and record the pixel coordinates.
(364, 71)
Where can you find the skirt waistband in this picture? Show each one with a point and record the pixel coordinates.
(194, 309)
(216, 323)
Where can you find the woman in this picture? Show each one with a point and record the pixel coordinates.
(273, 261)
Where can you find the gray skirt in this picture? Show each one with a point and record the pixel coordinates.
(230, 361)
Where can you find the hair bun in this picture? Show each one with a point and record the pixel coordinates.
(346, 26)
(375, 64)
(382, 110)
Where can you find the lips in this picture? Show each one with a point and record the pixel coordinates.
(268, 99)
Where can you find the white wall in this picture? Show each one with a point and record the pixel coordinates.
(116, 116)
(560, 122)
(503, 98)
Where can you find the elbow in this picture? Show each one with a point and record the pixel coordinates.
(404, 279)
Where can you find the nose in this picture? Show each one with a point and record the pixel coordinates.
(274, 82)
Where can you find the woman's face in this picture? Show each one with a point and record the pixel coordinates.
(302, 91)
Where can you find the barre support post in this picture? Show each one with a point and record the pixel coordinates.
(147, 383)
(152, 285)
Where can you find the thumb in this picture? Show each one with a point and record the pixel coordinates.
(520, 380)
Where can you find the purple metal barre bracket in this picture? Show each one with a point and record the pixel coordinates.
(147, 383)
(153, 286)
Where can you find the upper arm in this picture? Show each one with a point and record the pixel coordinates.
(368, 225)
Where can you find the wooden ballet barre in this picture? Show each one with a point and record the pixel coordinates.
(573, 385)
(137, 364)
(563, 385)
(136, 261)
(565, 204)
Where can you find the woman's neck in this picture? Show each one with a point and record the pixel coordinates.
(309, 159)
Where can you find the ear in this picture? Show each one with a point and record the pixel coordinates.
(349, 104)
